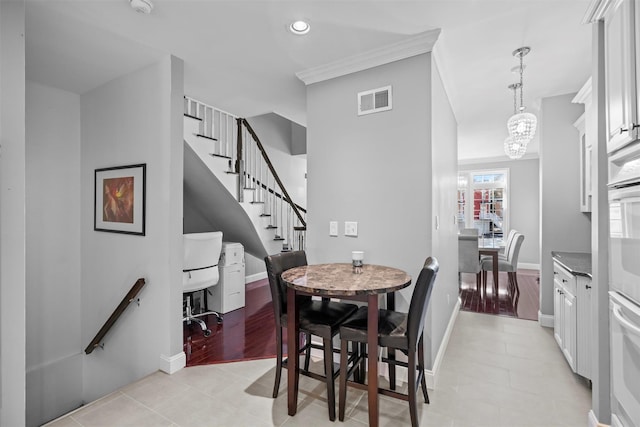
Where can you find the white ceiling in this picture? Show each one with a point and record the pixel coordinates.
(240, 57)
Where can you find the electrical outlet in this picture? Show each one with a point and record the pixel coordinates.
(351, 228)
(333, 228)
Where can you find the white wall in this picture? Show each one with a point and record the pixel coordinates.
(377, 170)
(374, 169)
(298, 139)
(134, 119)
(54, 358)
(562, 226)
(523, 203)
(12, 219)
(445, 237)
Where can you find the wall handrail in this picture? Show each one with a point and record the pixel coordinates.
(130, 297)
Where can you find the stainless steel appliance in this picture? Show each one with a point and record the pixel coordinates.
(624, 286)
(625, 361)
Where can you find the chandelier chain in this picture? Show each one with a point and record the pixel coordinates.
(521, 85)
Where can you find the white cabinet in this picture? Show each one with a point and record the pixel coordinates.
(572, 325)
(621, 65)
(229, 293)
(565, 315)
(584, 326)
(585, 128)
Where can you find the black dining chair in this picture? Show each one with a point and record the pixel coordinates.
(317, 317)
(396, 331)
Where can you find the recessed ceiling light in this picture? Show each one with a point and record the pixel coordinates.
(299, 27)
(141, 6)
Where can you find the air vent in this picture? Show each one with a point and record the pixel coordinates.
(374, 101)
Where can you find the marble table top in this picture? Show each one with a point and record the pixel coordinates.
(339, 279)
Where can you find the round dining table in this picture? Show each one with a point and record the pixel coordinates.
(339, 280)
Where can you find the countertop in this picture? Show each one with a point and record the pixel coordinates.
(578, 263)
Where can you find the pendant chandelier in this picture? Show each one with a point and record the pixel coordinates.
(522, 126)
(513, 148)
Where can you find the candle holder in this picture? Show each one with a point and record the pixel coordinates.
(357, 261)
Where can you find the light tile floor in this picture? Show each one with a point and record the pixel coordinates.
(497, 371)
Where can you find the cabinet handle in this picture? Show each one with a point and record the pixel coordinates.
(617, 313)
(587, 286)
(564, 280)
(633, 126)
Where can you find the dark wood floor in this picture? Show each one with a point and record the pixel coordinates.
(249, 333)
(245, 334)
(525, 306)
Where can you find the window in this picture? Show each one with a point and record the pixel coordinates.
(482, 203)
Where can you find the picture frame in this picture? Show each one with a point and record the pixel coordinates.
(120, 199)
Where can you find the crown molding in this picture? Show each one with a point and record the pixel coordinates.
(584, 95)
(597, 9)
(412, 46)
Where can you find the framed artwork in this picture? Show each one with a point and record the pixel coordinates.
(120, 199)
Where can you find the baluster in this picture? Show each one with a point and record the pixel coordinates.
(281, 218)
(289, 237)
(217, 126)
(245, 144)
(273, 208)
(248, 147)
(228, 137)
(201, 117)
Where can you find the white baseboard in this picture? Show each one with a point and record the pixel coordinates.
(431, 375)
(172, 364)
(528, 266)
(255, 277)
(592, 419)
(545, 320)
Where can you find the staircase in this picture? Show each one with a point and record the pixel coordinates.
(231, 185)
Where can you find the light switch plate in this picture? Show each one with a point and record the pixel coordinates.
(351, 228)
(333, 228)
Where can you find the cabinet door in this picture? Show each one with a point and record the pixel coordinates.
(585, 174)
(569, 329)
(620, 74)
(558, 308)
(584, 350)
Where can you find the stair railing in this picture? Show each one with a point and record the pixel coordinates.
(248, 159)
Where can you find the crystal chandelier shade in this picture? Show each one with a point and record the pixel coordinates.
(521, 126)
(514, 149)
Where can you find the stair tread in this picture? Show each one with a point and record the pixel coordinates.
(199, 135)
(249, 188)
(220, 156)
(231, 172)
(257, 203)
(192, 117)
(270, 227)
(264, 215)
(300, 228)
(278, 238)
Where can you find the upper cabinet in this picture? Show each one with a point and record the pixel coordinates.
(584, 124)
(622, 28)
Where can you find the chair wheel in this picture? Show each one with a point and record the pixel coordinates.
(219, 319)
(207, 332)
